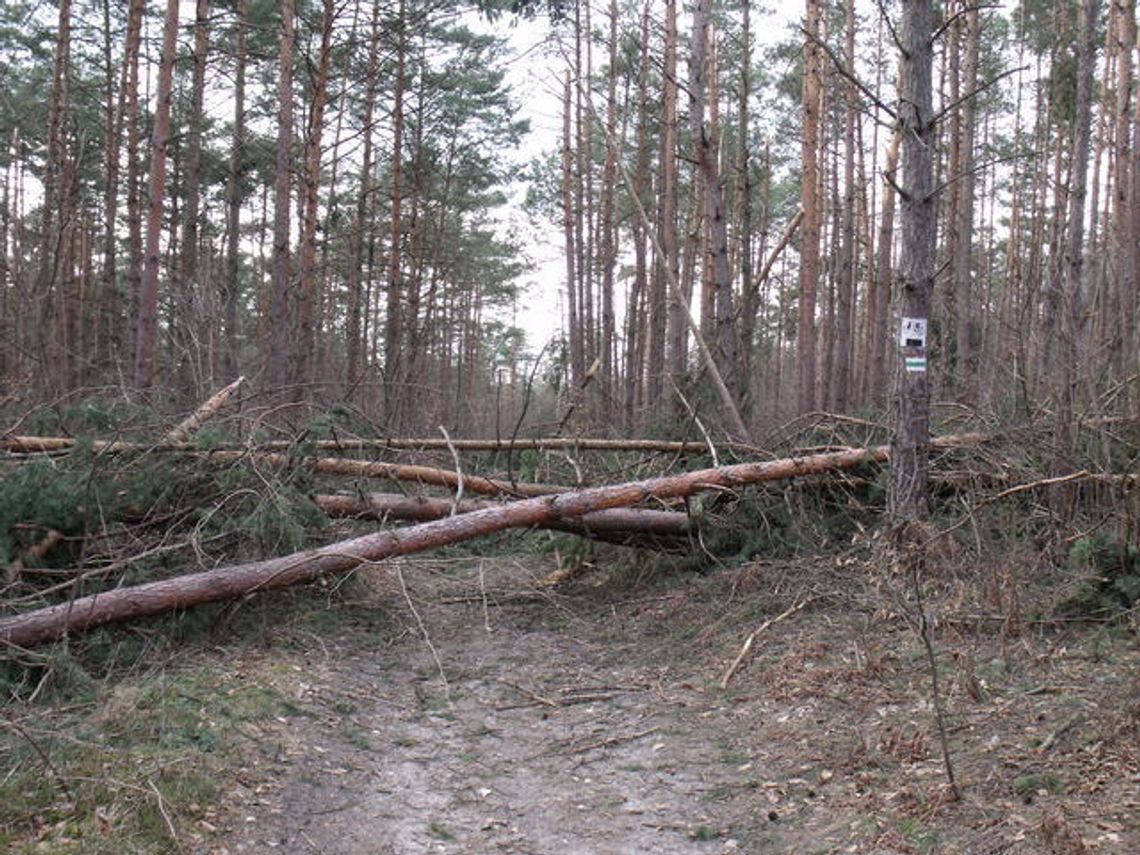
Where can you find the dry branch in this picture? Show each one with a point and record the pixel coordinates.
(226, 583)
(746, 648)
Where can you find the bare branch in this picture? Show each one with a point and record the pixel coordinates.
(954, 105)
(949, 22)
(837, 61)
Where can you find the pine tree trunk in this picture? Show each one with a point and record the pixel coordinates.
(608, 243)
(848, 258)
(187, 324)
(1123, 251)
(961, 263)
(811, 204)
(131, 118)
(673, 351)
(278, 355)
(639, 309)
(880, 302)
(363, 220)
(908, 495)
(394, 321)
(1073, 300)
(231, 281)
(303, 373)
(570, 236)
(707, 142)
(147, 311)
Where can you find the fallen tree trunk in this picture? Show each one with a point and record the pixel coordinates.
(414, 473)
(396, 472)
(225, 583)
(629, 526)
(47, 444)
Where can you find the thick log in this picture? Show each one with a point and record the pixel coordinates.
(632, 526)
(226, 583)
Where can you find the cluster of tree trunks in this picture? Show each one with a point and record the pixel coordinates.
(375, 198)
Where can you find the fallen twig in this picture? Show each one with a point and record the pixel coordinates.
(747, 646)
(611, 741)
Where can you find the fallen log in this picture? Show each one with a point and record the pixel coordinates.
(226, 583)
(49, 444)
(628, 526)
(396, 472)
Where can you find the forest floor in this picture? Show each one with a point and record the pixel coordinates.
(452, 705)
(496, 718)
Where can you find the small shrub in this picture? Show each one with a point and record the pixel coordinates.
(1112, 583)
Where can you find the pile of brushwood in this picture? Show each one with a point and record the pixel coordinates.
(106, 516)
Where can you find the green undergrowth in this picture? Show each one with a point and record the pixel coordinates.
(125, 741)
(130, 767)
(804, 517)
(1109, 583)
(130, 518)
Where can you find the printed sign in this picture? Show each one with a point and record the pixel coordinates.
(915, 364)
(913, 333)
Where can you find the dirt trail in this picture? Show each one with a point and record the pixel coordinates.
(595, 724)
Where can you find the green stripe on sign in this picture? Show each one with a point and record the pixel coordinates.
(915, 363)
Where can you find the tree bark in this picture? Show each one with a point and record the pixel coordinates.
(672, 323)
(394, 391)
(908, 494)
(639, 309)
(231, 281)
(1072, 320)
(707, 141)
(303, 371)
(281, 325)
(362, 225)
(577, 366)
(879, 298)
(188, 290)
(810, 203)
(147, 311)
(844, 352)
(1123, 253)
(131, 118)
(608, 248)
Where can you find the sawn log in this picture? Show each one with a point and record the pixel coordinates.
(226, 583)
